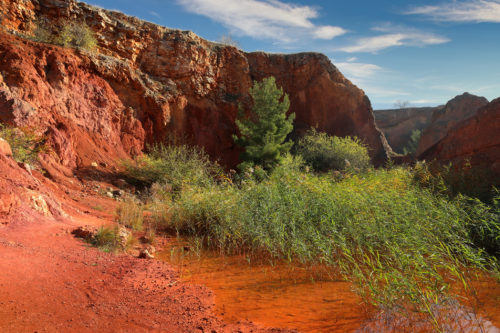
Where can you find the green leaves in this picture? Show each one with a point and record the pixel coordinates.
(264, 130)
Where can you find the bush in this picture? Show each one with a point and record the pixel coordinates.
(324, 152)
(77, 35)
(173, 168)
(107, 239)
(25, 143)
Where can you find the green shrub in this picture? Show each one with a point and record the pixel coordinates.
(77, 34)
(173, 168)
(401, 244)
(483, 223)
(25, 143)
(324, 152)
(107, 239)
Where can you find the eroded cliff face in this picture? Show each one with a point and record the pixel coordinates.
(475, 140)
(445, 119)
(149, 84)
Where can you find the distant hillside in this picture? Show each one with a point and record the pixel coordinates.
(397, 124)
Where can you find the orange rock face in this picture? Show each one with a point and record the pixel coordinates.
(476, 139)
(149, 84)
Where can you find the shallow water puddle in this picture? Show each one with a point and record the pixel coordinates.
(286, 296)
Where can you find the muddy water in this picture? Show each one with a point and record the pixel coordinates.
(309, 300)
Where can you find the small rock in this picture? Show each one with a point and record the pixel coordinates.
(151, 249)
(93, 164)
(110, 194)
(123, 235)
(118, 193)
(146, 255)
(26, 167)
(145, 240)
(85, 232)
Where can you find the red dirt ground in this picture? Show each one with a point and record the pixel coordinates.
(53, 282)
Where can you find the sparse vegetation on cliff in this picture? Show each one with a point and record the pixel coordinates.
(77, 34)
(25, 143)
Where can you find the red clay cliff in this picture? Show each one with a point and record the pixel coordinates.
(149, 84)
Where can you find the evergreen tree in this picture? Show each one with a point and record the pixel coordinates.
(264, 131)
(412, 145)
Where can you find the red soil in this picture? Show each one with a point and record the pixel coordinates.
(52, 282)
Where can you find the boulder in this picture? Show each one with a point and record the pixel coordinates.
(5, 148)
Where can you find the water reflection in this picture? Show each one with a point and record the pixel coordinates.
(309, 299)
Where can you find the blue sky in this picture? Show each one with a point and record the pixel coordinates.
(423, 52)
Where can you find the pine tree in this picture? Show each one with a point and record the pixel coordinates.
(263, 133)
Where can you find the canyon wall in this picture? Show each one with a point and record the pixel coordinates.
(446, 118)
(475, 140)
(148, 84)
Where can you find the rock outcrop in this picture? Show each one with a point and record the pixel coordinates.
(476, 140)
(398, 124)
(149, 84)
(445, 119)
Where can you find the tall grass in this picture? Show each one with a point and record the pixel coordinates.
(130, 213)
(399, 240)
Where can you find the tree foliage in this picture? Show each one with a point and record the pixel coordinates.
(412, 145)
(263, 132)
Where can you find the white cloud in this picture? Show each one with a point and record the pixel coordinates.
(328, 32)
(462, 11)
(270, 19)
(356, 70)
(394, 36)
